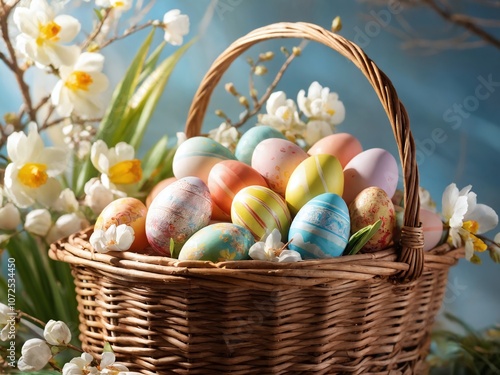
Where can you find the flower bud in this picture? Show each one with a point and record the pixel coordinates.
(38, 222)
(35, 355)
(336, 24)
(9, 217)
(66, 225)
(260, 70)
(97, 195)
(57, 333)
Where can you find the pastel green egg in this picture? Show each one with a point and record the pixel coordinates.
(260, 210)
(251, 138)
(217, 243)
(315, 175)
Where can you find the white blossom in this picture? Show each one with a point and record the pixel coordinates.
(466, 218)
(43, 34)
(10, 217)
(57, 333)
(79, 366)
(176, 25)
(226, 135)
(67, 201)
(80, 87)
(282, 114)
(115, 238)
(99, 192)
(118, 162)
(321, 104)
(31, 176)
(35, 354)
(272, 250)
(38, 222)
(316, 130)
(4, 321)
(65, 225)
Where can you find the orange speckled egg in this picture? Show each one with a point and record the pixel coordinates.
(130, 211)
(276, 159)
(370, 205)
(227, 178)
(343, 146)
(157, 188)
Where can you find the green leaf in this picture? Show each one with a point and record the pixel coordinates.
(153, 158)
(361, 237)
(152, 61)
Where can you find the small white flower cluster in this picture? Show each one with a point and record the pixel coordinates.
(36, 352)
(467, 219)
(115, 238)
(322, 108)
(271, 249)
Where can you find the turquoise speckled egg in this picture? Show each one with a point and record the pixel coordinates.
(196, 156)
(321, 228)
(251, 138)
(218, 242)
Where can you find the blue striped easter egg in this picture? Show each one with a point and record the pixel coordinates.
(251, 138)
(260, 210)
(321, 228)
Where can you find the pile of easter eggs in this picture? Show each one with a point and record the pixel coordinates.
(219, 203)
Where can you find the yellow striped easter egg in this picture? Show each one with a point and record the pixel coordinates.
(260, 210)
(315, 175)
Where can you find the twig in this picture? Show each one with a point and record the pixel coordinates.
(269, 90)
(97, 30)
(126, 33)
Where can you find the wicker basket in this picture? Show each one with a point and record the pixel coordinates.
(361, 314)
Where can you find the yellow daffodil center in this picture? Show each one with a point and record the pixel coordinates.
(47, 32)
(118, 4)
(472, 227)
(126, 172)
(330, 111)
(79, 80)
(33, 175)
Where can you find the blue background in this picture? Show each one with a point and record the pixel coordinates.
(431, 84)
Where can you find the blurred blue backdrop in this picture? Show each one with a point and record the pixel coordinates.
(439, 88)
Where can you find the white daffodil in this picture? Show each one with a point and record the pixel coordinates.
(99, 192)
(5, 320)
(115, 238)
(466, 219)
(273, 250)
(65, 225)
(10, 217)
(176, 25)
(31, 176)
(43, 34)
(35, 354)
(80, 87)
(38, 222)
(321, 104)
(66, 202)
(226, 135)
(57, 333)
(119, 6)
(118, 162)
(109, 365)
(426, 200)
(282, 114)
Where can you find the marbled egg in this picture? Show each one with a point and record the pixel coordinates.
(260, 210)
(343, 146)
(251, 138)
(218, 242)
(178, 211)
(370, 205)
(372, 167)
(227, 178)
(196, 156)
(157, 188)
(276, 159)
(321, 227)
(316, 175)
(130, 211)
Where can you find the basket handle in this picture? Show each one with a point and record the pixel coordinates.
(410, 248)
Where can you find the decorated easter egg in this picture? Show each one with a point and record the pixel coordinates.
(276, 159)
(321, 227)
(260, 210)
(372, 167)
(432, 226)
(343, 146)
(251, 138)
(218, 242)
(179, 210)
(316, 175)
(370, 205)
(130, 211)
(157, 188)
(196, 156)
(227, 178)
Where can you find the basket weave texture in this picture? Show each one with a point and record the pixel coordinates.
(360, 314)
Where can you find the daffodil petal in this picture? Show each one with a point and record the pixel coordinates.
(485, 216)
(70, 27)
